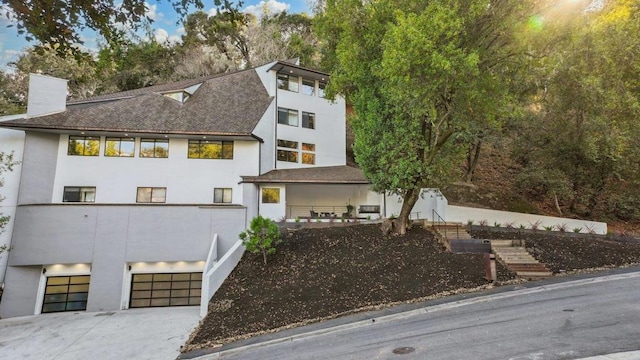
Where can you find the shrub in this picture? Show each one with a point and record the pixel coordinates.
(262, 236)
(548, 228)
(496, 224)
(562, 227)
(469, 223)
(577, 230)
(483, 223)
(297, 219)
(392, 217)
(523, 226)
(535, 225)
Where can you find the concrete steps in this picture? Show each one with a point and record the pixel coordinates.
(455, 238)
(518, 260)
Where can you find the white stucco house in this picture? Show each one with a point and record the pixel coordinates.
(119, 197)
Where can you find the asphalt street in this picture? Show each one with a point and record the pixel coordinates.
(568, 320)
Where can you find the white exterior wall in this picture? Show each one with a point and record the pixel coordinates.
(329, 135)
(10, 141)
(429, 200)
(188, 181)
(274, 212)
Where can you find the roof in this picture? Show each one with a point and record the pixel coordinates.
(231, 104)
(311, 175)
(161, 88)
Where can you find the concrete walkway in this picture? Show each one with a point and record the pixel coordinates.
(130, 334)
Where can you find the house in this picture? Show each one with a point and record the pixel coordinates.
(125, 199)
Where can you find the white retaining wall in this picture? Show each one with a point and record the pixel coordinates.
(214, 276)
(464, 214)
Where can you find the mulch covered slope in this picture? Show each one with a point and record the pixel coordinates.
(321, 273)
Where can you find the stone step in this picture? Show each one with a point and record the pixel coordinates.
(534, 275)
(528, 267)
(501, 243)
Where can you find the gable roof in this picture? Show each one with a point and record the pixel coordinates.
(311, 175)
(230, 104)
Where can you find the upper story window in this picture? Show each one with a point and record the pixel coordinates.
(288, 117)
(308, 154)
(222, 195)
(119, 147)
(79, 194)
(288, 82)
(154, 148)
(210, 149)
(151, 195)
(308, 120)
(288, 155)
(321, 87)
(308, 87)
(84, 145)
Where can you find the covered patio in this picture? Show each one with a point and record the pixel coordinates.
(319, 193)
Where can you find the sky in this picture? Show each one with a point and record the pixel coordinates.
(164, 27)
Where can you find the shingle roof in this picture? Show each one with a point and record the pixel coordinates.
(312, 175)
(226, 105)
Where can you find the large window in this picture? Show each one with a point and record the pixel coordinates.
(308, 120)
(84, 145)
(288, 117)
(222, 195)
(120, 147)
(288, 82)
(209, 149)
(154, 148)
(270, 196)
(308, 87)
(151, 195)
(79, 194)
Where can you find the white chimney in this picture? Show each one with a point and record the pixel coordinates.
(47, 95)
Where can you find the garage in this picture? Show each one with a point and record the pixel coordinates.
(165, 289)
(66, 293)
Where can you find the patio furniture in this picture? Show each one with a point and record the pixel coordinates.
(313, 214)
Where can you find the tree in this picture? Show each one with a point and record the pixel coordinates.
(6, 164)
(57, 23)
(262, 237)
(420, 75)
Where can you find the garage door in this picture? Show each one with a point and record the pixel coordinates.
(66, 293)
(165, 289)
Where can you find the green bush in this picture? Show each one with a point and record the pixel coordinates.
(262, 237)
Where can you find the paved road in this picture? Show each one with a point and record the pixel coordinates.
(562, 321)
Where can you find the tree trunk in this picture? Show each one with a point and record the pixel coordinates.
(555, 201)
(410, 199)
(473, 154)
(264, 256)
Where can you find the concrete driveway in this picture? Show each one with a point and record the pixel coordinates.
(139, 334)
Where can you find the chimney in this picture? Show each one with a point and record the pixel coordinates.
(47, 95)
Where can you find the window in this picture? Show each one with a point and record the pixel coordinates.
(288, 144)
(288, 156)
(151, 195)
(288, 82)
(307, 157)
(209, 149)
(308, 120)
(270, 196)
(308, 87)
(321, 87)
(79, 194)
(120, 147)
(84, 145)
(154, 148)
(287, 117)
(222, 195)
